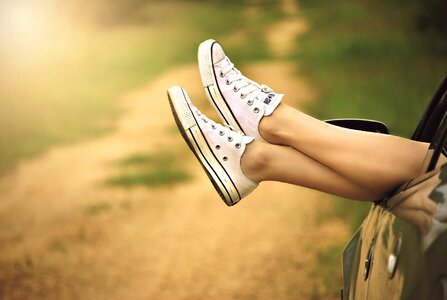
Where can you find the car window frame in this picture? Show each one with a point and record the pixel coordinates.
(439, 138)
(432, 127)
(433, 115)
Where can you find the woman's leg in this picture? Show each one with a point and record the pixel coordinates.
(267, 162)
(374, 161)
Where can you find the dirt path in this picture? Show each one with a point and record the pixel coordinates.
(158, 243)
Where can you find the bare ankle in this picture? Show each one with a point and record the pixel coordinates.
(254, 161)
(270, 126)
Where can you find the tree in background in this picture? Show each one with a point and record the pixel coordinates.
(432, 19)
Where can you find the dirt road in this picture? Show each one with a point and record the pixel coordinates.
(64, 234)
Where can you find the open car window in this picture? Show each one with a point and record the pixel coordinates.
(433, 115)
(437, 154)
(433, 129)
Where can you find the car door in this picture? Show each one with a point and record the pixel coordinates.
(385, 259)
(407, 262)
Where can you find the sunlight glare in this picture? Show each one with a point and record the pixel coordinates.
(23, 25)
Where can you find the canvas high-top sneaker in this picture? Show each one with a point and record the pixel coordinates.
(218, 148)
(239, 101)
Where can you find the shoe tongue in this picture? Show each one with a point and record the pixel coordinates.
(218, 53)
(271, 101)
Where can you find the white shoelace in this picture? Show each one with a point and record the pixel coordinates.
(246, 87)
(223, 130)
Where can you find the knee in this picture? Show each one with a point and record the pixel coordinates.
(256, 158)
(270, 130)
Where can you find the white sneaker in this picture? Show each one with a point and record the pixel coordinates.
(239, 101)
(219, 149)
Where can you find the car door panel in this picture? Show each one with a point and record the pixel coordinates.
(396, 282)
(366, 238)
(404, 263)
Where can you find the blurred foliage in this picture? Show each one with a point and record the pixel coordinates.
(119, 12)
(113, 13)
(330, 258)
(370, 65)
(97, 208)
(161, 176)
(432, 17)
(150, 169)
(63, 84)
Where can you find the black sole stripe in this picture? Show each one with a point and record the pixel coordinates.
(204, 158)
(212, 152)
(216, 106)
(214, 155)
(188, 142)
(209, 164)
(232, 182)
(220, 92)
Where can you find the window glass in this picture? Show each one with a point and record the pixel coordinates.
(436, 129)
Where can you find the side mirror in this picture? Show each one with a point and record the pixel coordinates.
(360, 124)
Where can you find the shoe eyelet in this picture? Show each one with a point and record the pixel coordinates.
(221, 133)
(256, 110)
(230, 139)
(217, 147)
(213, 126)
(221, 74)
(250, 102)
(237, 145)
(198, 113)
(227, 82)
(225, 158)
(242, 96)
(205, 120)
(235, 89)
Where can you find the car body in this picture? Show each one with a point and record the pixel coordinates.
(389, 257)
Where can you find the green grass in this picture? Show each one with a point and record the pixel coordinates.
(158, 177)
(150, 170)
(368, 60)
(330, 258)
(139, 159)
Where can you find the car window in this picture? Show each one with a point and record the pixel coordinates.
(433, 115)
(437, 154)
(433, 129)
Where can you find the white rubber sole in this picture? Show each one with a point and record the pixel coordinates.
(194, 137)
(209, 82)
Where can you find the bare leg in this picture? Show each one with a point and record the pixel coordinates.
(268, 162)
(374, 161)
